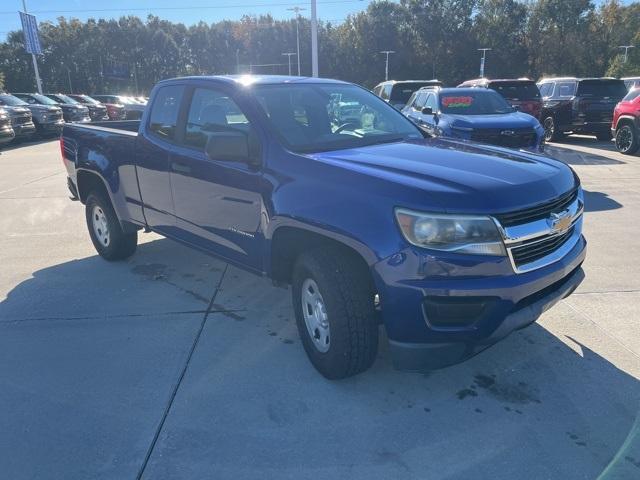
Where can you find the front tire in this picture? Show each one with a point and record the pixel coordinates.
(551, 133)
(108, 238)
(333, 301)
(627, 141)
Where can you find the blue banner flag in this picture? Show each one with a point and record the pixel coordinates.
(30, 30)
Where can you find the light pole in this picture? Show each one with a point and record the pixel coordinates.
(484, 53)
(297, 10)
(386, 63)
(288, 54)
(314, 39)
(626, 51)
(33, 57)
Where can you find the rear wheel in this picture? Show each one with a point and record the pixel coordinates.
(108, 238)
(334, 306)
(627, 140)
(550, 130)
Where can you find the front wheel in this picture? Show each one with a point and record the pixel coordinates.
(108, 238)
(334, 306)
(627, 140)
(550, 132)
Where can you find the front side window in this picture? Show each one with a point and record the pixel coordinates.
(164, 112)
(322, 117)
(212, 111)
(432, 102)
(420, 101)
(546, 89)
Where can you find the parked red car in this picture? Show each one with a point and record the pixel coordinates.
(519, 92)
(626, 123)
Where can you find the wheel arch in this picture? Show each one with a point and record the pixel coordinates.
(88, 181)
(288, 241)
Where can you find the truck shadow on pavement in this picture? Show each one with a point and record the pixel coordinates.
(572, 156)
(90, 350)
(599, 202)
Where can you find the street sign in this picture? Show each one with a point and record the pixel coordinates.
(30, 30)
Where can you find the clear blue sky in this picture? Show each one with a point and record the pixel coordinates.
(186, 11)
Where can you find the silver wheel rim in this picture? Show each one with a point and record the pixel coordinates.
(100, 226)
(624, 139)
(315, 315)
(548, 128)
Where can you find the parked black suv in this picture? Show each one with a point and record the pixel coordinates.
(47, 115)
(72, 110)
(579, 105)
(398, 92)
(97, 111)
(21, 119)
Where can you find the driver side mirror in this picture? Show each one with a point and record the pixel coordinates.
(427, 111)
(233, 146)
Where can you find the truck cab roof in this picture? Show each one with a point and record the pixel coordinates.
(248, 80)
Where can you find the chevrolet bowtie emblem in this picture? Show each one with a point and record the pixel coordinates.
(559, 222)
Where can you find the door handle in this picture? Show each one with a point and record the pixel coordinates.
(180, 167)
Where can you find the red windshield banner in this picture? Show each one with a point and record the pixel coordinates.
(457, 102)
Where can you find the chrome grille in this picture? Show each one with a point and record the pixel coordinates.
(19, 120)
(538, 212)
(537, 249)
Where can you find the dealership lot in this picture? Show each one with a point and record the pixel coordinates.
(101, 377)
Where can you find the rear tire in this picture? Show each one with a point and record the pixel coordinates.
(108, 238)
(333, 301)
(627, 141)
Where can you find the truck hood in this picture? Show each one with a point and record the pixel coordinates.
(508, 121)
(460, 176)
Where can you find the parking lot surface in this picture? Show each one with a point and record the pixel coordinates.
(101, 376)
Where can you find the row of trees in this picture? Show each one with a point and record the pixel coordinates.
(431, 38)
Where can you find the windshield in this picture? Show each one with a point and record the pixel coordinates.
(401, 92)
(517, 90)
(43, 99)
(321, 117)
(479, 102)
(64, 99)
(632, 95)
(602, 88)
(85, 99)
(10, 100)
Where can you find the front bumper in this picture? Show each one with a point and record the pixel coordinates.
(24, 129)
(440, 310)
(428, 356)
(6, 135)
(50, 127)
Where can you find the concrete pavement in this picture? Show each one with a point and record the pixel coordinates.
(101, 376)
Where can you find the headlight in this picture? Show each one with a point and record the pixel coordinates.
(451, 233)
(43, 117)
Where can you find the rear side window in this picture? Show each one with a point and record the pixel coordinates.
(565, 89)
(602, 88)
(632, 95)
(164, 112)
(517, 90)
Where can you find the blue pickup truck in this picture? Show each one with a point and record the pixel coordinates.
(449, 244)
